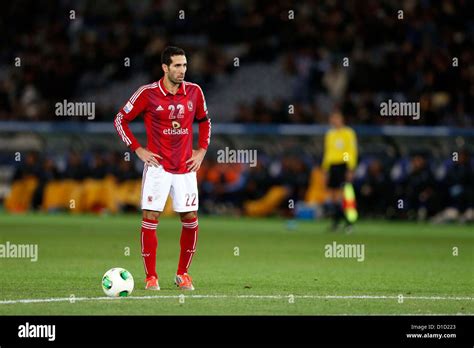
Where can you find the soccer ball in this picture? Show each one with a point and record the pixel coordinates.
(117, 282)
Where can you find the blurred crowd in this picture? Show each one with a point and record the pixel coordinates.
(418, 188)
(425, 56)
(414, 188)
(356, 55)
(350, 54)
(64, 53)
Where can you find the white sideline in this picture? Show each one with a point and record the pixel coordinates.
(327, 297)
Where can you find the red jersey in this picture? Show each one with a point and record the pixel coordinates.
(168, 122)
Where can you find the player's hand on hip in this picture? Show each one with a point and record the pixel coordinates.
(148, 157)
(194, 163)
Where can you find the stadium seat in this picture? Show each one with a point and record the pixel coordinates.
(316, 192)
(53, 196)
(20, 197)
(72, 195)
(268, 203)
(128, 193)
(100, 194)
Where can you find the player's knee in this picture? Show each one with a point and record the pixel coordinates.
(188, 215)
(151, 215)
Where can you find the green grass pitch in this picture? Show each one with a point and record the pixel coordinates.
(279, 270)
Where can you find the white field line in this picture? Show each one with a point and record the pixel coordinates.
(277, 297)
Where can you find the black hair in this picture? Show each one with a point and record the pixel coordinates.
(169, 52)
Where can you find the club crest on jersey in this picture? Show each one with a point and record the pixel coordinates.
(190, 105)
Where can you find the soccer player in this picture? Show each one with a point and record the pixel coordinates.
(169, 107)
(339, 163)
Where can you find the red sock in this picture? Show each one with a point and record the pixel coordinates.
(188, 241)
(149, 243)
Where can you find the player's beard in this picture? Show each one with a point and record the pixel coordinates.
(175, 81)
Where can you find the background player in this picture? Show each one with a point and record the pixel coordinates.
(339, 163)
(169, 107)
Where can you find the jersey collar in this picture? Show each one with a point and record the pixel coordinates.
(181, 89)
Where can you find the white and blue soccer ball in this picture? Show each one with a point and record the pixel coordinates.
(117, 282)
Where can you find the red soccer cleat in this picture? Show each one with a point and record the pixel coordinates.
(152, 283)
(184, 281)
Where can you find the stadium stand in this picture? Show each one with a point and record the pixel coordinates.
(425, 57)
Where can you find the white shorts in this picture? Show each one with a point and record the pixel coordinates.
(157, 184)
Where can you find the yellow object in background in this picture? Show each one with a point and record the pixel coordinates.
(349, 203)
(21, 195)
(340, 146)
(268, 203)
